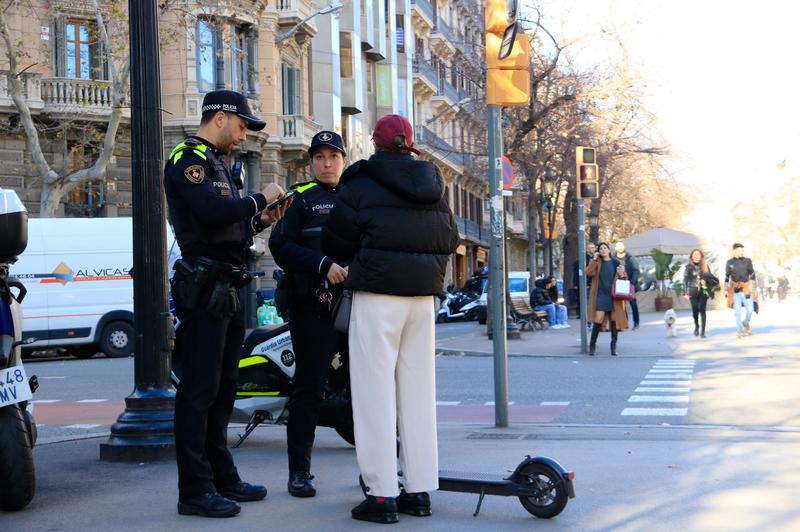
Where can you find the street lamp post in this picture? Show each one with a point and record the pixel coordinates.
(594, 224)
(548, 194)
(331, 8)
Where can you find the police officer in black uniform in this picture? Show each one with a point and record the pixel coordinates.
(312, 279)
(214, 226)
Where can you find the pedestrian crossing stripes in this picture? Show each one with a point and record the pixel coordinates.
(667, 382)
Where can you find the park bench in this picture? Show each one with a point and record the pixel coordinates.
(523, 315)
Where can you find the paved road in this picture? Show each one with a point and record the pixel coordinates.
(719, 381)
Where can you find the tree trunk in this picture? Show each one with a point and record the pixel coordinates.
(51, 199)
(533, 225)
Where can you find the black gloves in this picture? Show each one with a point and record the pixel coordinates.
(224, 301)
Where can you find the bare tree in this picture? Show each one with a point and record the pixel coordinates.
(55, 183)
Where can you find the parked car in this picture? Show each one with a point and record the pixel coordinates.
(518, 287)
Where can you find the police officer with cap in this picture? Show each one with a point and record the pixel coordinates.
(314, 281)
(214, 227)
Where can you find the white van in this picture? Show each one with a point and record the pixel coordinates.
(80, 292)
(518, 287)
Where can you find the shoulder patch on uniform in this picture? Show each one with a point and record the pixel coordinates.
(195, 173)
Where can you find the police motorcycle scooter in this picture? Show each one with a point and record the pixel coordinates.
(264, 383)
(17, 428)
(458, 306)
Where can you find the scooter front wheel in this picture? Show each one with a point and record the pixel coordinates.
(17, 478)
(549, 492)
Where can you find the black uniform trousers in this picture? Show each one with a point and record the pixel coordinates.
(210, 349)
(315, 343)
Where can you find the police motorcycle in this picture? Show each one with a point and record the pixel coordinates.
(264, 382)
(458, 306)
(17, 427)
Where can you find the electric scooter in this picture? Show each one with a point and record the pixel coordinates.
(264, 384)
(17, 427)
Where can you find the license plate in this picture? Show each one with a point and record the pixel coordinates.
(14, 386)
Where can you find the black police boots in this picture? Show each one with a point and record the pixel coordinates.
(210, 504)
(377, 510)
(418, 504)
(244, 492)
(300, 484)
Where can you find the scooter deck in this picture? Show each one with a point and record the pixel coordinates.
(488, 483)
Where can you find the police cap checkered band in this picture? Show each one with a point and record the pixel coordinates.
(232, 102)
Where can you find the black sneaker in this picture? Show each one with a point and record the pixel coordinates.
(376, 510)
(244, 492)
(418, 504)
(210, 504)
(300, 484)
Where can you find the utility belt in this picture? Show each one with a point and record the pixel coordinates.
(201, 282)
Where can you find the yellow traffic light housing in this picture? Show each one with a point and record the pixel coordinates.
(508, 80)
(587, 173)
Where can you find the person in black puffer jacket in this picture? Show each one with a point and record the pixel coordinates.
(392, 224)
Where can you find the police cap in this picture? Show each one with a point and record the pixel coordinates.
(232, 102)
(327, 138)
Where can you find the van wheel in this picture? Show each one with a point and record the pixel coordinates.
(117, 339)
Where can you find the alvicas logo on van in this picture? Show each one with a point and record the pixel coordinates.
(63, 274)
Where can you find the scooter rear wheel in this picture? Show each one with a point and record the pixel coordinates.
(17, 478)
(552, 493)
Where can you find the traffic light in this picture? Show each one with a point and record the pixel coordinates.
(587, 172)
(508, 56)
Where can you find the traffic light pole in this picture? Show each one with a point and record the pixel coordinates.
(497, 293)
(144, 431)
(582, 273)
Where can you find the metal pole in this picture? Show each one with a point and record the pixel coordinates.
(497, 292)
(144, 431)
(582, 273)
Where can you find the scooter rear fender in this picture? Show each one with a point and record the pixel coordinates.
(567, 476)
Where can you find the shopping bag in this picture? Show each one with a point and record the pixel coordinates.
(622, 289)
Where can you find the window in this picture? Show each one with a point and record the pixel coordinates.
(401, 33)
(291, 90)
(226, 56)
(345, 55)
(370, 76)
(77, 51)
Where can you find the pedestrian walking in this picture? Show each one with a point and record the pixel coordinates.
(632, 271)
(391, 223)
(697, 289)
(605, 311)
(314, 282)
(739, 277)
(214, 227)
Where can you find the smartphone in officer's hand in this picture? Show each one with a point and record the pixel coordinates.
(280, 200)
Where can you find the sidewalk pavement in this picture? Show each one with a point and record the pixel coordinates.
(650, 339)
(626, 478)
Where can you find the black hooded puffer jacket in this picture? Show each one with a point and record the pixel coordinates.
(392, 224)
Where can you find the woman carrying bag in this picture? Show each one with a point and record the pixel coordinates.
(603, 307)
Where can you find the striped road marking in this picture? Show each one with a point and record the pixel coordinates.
(82, 426)
(92, 401)
(554, 403)
(668, 381)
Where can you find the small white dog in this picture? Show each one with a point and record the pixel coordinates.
(671, 321)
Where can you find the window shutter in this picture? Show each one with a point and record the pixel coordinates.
(296, 92)
(60, 46)
(285, 82)
(102, 58)
(252, 61)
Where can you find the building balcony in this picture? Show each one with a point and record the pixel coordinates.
(62, 97)
(443, 38)
(517, 227)
(426, 79)
(446, 94)
(422, 15)
(469, 230)
(295, 133)
(291, 13)
(438, 148)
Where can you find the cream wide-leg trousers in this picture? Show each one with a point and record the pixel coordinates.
(393, 385)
